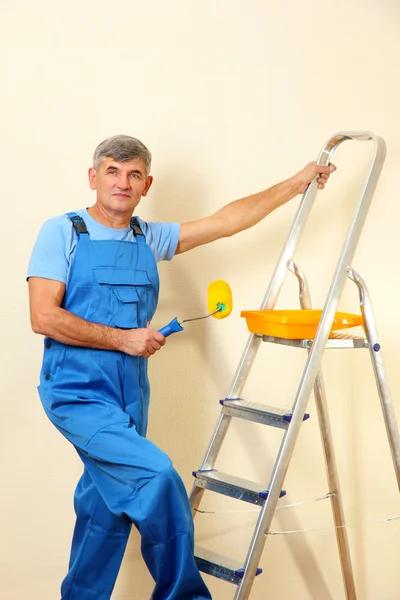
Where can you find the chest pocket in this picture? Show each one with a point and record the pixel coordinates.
(123, 296)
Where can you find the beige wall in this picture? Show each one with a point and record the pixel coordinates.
(231, 96)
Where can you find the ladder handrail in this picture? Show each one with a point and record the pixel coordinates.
(371, 332)
(295, 233)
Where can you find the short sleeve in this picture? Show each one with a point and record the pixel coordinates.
(162, 238)
(51, 253)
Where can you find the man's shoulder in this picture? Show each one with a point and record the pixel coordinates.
(152, 225)
(52, 251)
(64, 218)
(161, 236)
(58, 230)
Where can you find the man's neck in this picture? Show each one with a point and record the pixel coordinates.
(115, 221)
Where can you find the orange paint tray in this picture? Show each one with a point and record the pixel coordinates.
(294, 324)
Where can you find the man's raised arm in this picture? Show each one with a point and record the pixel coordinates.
(246, 212)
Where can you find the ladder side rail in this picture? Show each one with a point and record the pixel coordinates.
(315, 356)
(210, 457)
(330, 459)
(379, 370)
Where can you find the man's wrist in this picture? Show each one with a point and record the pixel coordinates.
(116, 339)
(294, 185)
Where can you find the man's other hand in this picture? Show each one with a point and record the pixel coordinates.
(141, 342)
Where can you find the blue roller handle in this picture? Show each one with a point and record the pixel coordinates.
(172, 327)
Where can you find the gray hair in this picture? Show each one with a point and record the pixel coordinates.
(122, 148)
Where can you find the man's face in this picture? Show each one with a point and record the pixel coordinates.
(120, 185)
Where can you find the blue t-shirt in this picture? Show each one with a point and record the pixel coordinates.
(54, 250)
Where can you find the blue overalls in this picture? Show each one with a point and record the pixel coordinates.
(99, 400)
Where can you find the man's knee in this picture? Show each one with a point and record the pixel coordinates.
(165, 497)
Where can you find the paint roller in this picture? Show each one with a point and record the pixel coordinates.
(219, 303)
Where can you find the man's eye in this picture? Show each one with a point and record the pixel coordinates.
(134, 175)
(112, 172)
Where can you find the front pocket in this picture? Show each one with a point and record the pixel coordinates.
(125, 305)
(126, 292)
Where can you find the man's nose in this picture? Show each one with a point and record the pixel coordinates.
(123, 181)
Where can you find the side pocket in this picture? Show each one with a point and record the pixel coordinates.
(53, 364)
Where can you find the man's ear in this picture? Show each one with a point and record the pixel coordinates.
(92, 178)
(149, 181)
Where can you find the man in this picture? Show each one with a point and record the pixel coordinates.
(93, 287)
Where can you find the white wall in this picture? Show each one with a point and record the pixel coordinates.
(230, 96)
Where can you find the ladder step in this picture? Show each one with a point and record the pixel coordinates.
(230, 485)
(259, 413)
(220, 566)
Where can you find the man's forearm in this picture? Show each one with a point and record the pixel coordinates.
(246, 212)
(67, 328)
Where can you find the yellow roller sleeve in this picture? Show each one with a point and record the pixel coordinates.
(219, 295)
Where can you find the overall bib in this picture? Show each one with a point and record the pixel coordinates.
(98, 399)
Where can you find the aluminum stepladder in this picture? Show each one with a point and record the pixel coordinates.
(290, 421)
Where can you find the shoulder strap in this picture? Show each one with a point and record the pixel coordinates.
(78, 223)
(136, 228)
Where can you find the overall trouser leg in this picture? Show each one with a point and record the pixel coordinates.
(160, 510)
(98, 546)
(136, 480)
